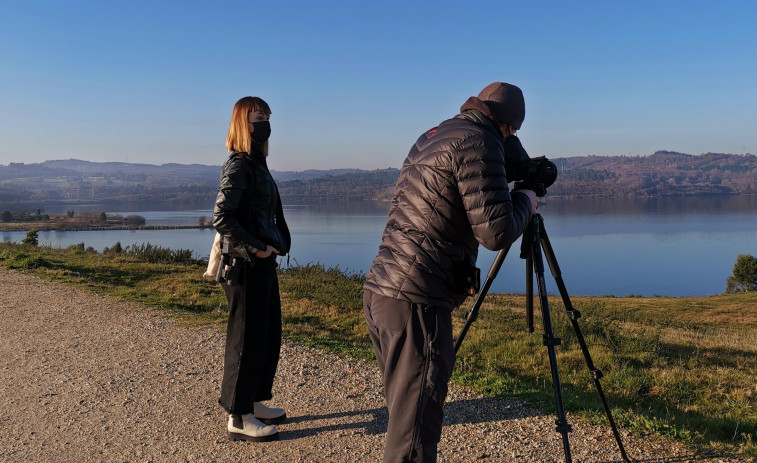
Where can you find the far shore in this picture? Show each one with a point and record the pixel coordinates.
(46, 226)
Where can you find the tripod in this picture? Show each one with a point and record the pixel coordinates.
(533, 244)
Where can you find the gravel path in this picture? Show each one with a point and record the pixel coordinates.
(89, 378)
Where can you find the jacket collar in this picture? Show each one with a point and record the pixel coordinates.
(477, 117)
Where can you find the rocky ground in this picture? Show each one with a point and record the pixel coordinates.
(89, 378)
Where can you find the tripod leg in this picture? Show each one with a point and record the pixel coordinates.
(550, 341)
(529, 294)
(473, 312)
(574, 315)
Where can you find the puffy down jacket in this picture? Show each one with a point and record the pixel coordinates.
(451, 195)
(248, 208)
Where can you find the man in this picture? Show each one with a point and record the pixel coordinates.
(452, 194)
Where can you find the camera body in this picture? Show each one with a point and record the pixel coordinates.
(230, 270)
(535, 174)
(233, 258)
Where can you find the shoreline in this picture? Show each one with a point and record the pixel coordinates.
(15, 227)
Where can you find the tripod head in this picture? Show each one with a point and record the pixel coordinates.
(535, 174)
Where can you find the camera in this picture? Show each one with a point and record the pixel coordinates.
(535, 174)
(230, 270)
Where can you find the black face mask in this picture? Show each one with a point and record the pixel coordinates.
(262, 130)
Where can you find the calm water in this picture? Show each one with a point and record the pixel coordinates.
(670, 246)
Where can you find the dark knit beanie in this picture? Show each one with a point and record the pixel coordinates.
(501, 102)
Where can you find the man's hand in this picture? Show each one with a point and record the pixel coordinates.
(270, 249)
(532, 196)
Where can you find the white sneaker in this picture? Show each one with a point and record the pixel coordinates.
(247, 427)
(269, 415)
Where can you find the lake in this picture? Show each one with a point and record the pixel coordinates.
(662, 246)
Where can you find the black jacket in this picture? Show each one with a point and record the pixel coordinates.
(451, 195)
(248, 207)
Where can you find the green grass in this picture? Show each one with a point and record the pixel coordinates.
(681, 368)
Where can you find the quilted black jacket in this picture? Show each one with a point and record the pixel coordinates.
(248, 208)
(451, 195)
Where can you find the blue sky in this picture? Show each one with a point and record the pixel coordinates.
(353, 84)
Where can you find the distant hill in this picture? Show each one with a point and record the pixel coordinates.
(66, 182)
(179, 173)
(62, 182)
(366, 185)
(287, 175)
(663, 173)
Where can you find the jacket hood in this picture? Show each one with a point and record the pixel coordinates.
(501, 102)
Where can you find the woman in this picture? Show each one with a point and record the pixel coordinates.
(249, 216)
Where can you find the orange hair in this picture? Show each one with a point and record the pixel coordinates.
(239, 138)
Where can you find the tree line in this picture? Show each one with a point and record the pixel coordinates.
(70, 220)
(663, 173)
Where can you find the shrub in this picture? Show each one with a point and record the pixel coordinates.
(744, 277)
(79, 247)
(151, 253)
(116, 249)
(32, 238)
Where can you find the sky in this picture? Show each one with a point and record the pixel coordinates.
(352, 84)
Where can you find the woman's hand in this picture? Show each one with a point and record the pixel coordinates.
(267, 252)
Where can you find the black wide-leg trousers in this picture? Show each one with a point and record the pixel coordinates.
(415, 353)
(253, 337)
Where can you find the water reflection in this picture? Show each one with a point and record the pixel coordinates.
(664, 206)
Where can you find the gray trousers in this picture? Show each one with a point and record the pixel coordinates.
(415, 353)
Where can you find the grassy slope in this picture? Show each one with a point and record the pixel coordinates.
(684, 368)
